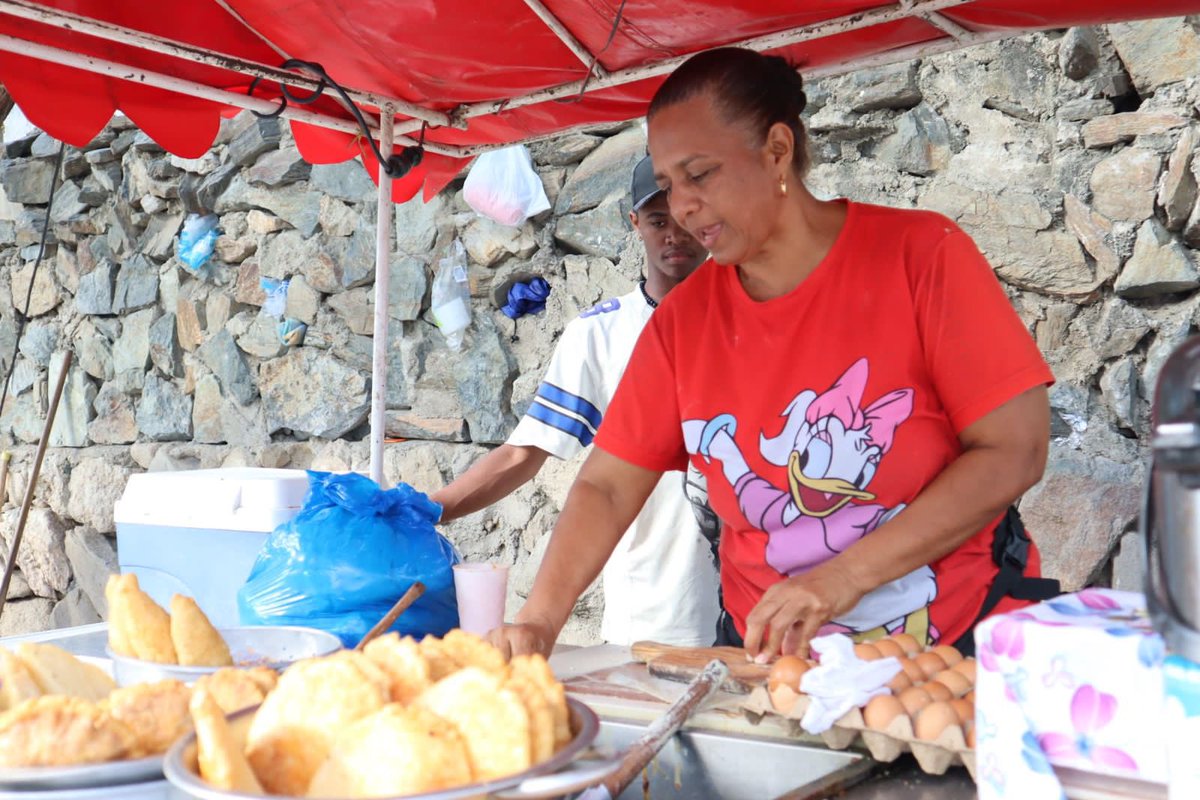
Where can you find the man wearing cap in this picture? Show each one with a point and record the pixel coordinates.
(661, 582)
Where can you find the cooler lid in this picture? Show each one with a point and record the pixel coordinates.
(241, 498)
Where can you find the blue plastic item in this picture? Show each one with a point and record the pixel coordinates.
(526, 298)
(348, 556)
(197, 240)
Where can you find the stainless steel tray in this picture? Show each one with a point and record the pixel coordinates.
(83, 776)
(180, 768)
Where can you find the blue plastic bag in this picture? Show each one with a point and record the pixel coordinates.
(348, 556)
(197, 240)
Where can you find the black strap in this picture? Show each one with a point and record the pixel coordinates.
(1010, 551)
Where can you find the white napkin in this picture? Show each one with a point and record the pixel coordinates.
(842, 681)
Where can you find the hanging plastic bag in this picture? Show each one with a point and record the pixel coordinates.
(502, 186)
(197, 239)
(526, 297)
(451, 298)
(352, 551)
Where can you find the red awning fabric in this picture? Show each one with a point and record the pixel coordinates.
(445, 55)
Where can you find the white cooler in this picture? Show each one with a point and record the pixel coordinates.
(198, 532)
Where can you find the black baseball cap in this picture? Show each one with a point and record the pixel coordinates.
(645, 188)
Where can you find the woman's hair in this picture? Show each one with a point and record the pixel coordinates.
(747, 87)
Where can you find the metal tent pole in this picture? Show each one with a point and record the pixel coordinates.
(379, 347)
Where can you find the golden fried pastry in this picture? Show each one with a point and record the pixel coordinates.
(58, 731)
(58, 672)
(491, 719)
(232, 689)
(118, 617)
(395, 751)
(459, 649)
(197, 643)
(537, 669)
(313, 704)
(441, 665)
(541, 719)
(218, 753)
(16, 682)
(157, 713)
(265, 677)
(402, 661)
(141, 625)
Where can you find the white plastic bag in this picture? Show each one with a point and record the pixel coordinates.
(452, 296)
(502, 186)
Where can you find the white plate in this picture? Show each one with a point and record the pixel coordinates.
(82, 776)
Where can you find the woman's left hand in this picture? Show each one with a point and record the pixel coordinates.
(792, 611)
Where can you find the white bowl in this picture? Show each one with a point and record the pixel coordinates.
(274, 646)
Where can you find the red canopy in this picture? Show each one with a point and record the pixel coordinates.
(480, 73)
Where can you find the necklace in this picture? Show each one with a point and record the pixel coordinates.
(650, 301)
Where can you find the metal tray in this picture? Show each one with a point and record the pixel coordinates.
(83, 776)
(180, 768)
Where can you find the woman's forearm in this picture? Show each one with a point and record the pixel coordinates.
(604, 500)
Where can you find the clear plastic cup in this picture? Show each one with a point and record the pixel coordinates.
(480, 589)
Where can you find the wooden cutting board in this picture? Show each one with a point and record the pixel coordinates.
(684, 663)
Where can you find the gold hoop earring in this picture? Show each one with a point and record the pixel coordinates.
(783, 186)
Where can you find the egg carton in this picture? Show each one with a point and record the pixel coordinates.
(934, 757)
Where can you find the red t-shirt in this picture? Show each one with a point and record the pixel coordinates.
(818, 415)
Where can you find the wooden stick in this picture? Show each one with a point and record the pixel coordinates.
(11, 563)
(642, 752)
(411, 596)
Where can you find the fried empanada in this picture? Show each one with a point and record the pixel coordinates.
(58, 672)
(537, 670)
(157, 713)
(54, 730)
(219, 755)
(16, 682)
(401, 659)
(139, 624)
(491, 719)
(197, 643)
(314, 702)
(541, 719)
(232, 689)
(395, 751)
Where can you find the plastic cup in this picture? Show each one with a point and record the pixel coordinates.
(480, 589)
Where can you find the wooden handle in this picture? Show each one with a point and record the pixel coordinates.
(645, 652)
(410, 597)
(642, 752)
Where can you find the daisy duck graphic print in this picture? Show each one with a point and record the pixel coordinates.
(831, 445)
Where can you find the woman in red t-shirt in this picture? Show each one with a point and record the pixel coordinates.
(852, 381)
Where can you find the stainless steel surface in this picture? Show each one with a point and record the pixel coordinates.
(273, 646)
(82, 776)
(701, 765)
(180, 764)
(1170, 517)
(82, 640)
(904, 780)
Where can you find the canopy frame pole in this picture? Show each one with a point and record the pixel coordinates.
(190, 88)
(25, 9)
(566, 37)
(379, 346)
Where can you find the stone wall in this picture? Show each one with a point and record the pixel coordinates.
(1067, 155)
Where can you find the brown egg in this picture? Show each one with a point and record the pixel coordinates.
(900, 682)
(881, 710)
(888, 647)
(915, 674)
(933, 719)
(866, 651)
(948, 653)
(930, 663)
(787, 671)
(783, 697)
(964, 709)
(938, 691)
(908, 643)
(966, 667)
(956, 682)
(970, 731)
(914, 699)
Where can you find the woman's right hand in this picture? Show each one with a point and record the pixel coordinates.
(523, 639)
